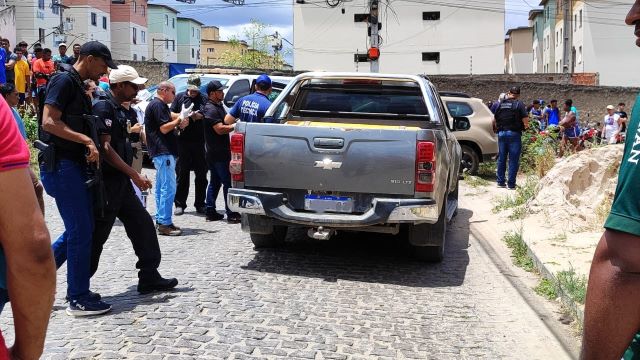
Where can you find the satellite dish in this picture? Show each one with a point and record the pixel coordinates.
(187, 1)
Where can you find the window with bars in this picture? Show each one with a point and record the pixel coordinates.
(431, 56)
(104, 22)
(431, 15)
(94, 19)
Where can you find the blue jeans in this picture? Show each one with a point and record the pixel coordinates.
(165, 187)
(220, 176)
(509, 145)
(74, 201)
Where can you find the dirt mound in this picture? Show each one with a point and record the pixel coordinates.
(578, 190)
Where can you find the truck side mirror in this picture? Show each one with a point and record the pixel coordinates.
(461, 123)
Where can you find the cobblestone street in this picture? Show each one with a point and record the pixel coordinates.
(354, 297)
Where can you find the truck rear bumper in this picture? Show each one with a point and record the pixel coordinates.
(382, 211)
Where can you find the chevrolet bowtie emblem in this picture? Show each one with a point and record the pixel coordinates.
(328, 164)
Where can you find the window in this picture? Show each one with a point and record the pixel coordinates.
(459, 108)
(193, 53)
(41, 34)
(166, 44)
(104, 22)
(193, 32)
(135, 7)
(575, 22)
(166, 19)
(239, 89)
(360, 17)
(173, 23)
(580, 55)
(581, 18)
(431, 15)
(431, 56)
(41, 4)
(143, 37)
(143, 58)
(54, 7)
(173, 44)
(94, 19)
(135, 57)
(198, 33)
(135, 35)
(143, 11)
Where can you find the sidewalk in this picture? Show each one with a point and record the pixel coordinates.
(561, 224)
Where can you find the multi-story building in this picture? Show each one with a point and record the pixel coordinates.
(518, 50)
(162, 23)
(212, 48)
(129, 30)
(548, 35)
(91, 20)
(416, 38)
(36, 21)
(536, 21)
(559, 35)
(189, 35)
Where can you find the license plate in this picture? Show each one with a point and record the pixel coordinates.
(327, 203)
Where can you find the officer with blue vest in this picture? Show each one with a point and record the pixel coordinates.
(252, 108)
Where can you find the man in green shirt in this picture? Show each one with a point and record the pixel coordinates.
(612, 309)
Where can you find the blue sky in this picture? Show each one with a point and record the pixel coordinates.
(231, 19)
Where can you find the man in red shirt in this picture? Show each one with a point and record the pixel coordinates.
(27, 269)
(42, 70)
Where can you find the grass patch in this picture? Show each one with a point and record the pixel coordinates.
(487, 170)
(475, 181)
(518, 248)
(573, 285)
(518, 213)
(602, 210)
(559, 238)
(547, 289)
(522, 195)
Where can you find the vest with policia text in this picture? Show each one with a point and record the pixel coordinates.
(114, 123)
(508, 117)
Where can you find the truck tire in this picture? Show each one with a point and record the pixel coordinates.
(273, 240)
(434, 235)
(470, 160)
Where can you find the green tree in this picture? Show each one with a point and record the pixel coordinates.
(253, 48)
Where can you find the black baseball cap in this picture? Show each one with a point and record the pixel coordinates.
(515, 90)
(214, 85)
(98, 49)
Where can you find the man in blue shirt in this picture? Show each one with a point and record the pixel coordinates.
(3, 74)
(252, 108)
(552, 114)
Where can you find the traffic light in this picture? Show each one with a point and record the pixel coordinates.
(373, 53)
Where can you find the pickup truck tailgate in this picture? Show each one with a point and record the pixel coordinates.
(330, 158)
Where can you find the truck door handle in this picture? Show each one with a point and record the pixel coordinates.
(328, 143)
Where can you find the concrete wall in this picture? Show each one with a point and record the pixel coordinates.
(327, 39)
(590, 100)
(156, 72)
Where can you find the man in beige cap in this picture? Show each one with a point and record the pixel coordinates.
(122, 202)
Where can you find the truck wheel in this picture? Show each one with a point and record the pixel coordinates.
(470, 160)
(434, 235)
(275, 239)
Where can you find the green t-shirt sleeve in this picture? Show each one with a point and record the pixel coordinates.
(625, 211)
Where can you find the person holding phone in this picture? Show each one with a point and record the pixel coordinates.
(191, 153)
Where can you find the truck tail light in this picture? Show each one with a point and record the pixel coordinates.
(236, 167)
(425, 166)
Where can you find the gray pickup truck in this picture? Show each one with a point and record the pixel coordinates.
(350, 152)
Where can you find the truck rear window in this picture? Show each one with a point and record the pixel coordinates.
(381, 100)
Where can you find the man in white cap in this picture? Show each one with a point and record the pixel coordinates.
(62, 57)
(611, 125)
(122, 202)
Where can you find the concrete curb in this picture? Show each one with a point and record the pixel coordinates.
(575, 308)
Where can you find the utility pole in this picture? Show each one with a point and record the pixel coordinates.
(374, 38)
(57, 4)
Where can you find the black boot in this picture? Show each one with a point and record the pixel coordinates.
(157, 283)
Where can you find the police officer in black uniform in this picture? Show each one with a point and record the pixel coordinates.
(191, 152)
(71, 146)
(122, 202)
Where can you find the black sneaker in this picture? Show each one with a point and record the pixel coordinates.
(201, 210)
(214, 217)
(87, 307)
(92, 296)
(160, 284)
(234, 218)
(502, 186)
(512, 188)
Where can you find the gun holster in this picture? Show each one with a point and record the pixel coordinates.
(46, 156)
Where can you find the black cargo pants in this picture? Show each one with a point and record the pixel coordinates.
(191, 157)
(138, 224)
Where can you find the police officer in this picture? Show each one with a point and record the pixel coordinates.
(510, 120)
(191, 148)
(252, 108)
(122, 202)
(63, 168)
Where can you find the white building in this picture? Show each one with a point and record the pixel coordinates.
(91, 20)
(129, 30)
(518, 47)
(603, 44)
(416, 37)
(189, 31)
(35, 22)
